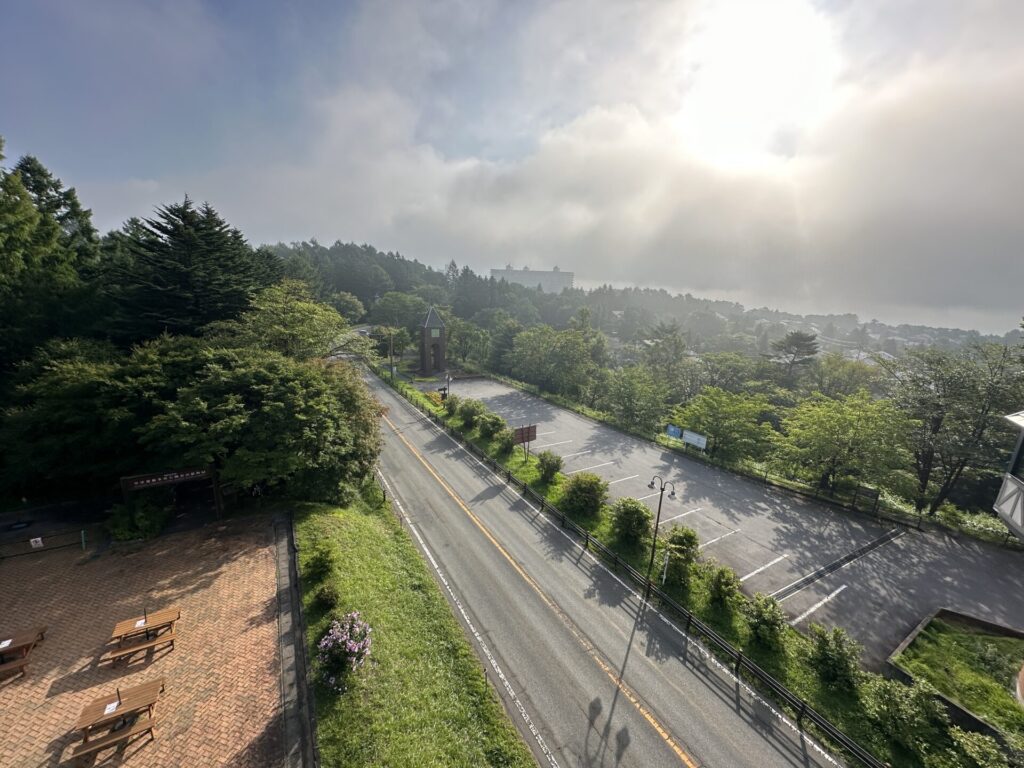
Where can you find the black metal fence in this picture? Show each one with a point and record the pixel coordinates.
(742, 666)
(18, 544)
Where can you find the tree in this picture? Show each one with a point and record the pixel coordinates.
(466, 339)
(682, 550)
(829, 440)
(286, 319)
(187, 269)
(833, 375)
(911, 715)
(733, 423)
(954, 401)
(401, 310)
(767, 620)
(666, 350)
(636, 398)
(583, 495)
(723, 584)
(631, 521)
(835, 656)
(347, 305)
(796, 348)
(550, 464)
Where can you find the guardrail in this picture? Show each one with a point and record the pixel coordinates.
(741, 665)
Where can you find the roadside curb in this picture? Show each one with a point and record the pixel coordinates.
(296, 714)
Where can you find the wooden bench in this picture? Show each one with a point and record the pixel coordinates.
(124, 652)
(115, 738)
(17, 665)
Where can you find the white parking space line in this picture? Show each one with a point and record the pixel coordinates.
(623, 479)
(585, 469)
(550, 445)
(816, 606)
(578, 453)
(756, 571)
(649, 495)
(688, 512)
(541, 434)
(719, 538)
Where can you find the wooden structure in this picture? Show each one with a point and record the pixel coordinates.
(15, 650)
(143, 633)
(133, 708)
(433, 344)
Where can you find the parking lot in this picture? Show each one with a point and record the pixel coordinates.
(825, 565)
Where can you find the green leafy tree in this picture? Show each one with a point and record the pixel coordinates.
(401, 310)
(829, 440)
(723, 585)
(466, 340)
(975, 750)
(550, 464)
(911, 715)
(583, 495)
(188, 268)
(954, 401)
(347, 305)
(835, 656)
(834, 376)
(631, 521)
(491, 424)
(504, 441)
(636, 398)
(767, 621)
(734, 424)
(470, 411)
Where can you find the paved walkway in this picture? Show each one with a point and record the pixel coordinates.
(222, 706)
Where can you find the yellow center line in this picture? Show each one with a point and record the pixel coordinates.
(587, 645)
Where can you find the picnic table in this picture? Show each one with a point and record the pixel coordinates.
(114, 711)
(15, 648)
(149, 624)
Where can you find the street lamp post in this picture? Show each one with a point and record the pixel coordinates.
(661, 485)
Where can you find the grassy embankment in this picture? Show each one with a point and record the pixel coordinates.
(789, 662)
(976, 669)
(421, 699)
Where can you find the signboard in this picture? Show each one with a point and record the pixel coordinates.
(138, 482)
(524, 434)
(36, 543)
(673, 431)
(695, 439)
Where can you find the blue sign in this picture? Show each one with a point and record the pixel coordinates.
(673, 431)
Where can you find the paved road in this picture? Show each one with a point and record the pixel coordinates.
(773, 539)
(591, 675)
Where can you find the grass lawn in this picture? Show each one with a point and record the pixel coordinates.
(976, 669)
(421, 699)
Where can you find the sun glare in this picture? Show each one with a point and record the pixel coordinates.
(758, 74)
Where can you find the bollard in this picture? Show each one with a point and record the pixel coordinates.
(83, 539)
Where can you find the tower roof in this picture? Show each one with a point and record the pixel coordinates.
(433, 320)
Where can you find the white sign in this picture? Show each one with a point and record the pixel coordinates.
(4, 644)
(140, 623)
(36, 543)
(695, 439)
(112, 706)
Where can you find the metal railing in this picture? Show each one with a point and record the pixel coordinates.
(29, 544)
(741, 665)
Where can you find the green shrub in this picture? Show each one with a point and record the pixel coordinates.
(685, 543)
(504, 441)
(583, 494)
(976, 750)
(143, 517)
(491, 424)
(910, 715)
(631, 521)
(434, 398)
(451, 404)
(323, 560)
(767, 621)
(835, 656)
(723, 584)
(327, 597)
(550, 464)
(951, 515)
(470, 411)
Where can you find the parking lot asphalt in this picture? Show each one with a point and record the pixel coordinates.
(826, 565)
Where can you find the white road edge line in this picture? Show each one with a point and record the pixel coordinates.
(756, 571)
(585, 469)
(688, 512)
(549, 445)
(718, 538)
(816, 606)
(578, 453)
(623, 479)
(691, 640)
(476, 635)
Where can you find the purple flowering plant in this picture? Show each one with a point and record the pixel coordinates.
(342, 649)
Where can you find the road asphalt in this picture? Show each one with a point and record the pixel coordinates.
(780, 543)
(590, 674)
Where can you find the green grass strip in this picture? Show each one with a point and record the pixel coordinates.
(422, 698)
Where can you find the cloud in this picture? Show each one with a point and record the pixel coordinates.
(900, 200)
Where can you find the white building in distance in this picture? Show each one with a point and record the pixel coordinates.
(550, 281)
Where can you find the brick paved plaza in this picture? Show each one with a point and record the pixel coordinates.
(222, 703)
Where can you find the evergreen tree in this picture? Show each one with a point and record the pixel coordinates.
(796, 348)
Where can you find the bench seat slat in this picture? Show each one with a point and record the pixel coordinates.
(141, 725)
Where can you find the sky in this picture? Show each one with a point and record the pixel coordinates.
(809, 155)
